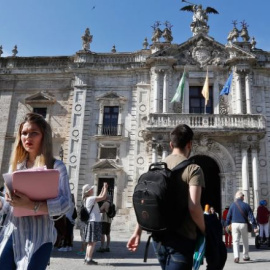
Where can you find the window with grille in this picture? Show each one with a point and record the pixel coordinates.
(110, 120)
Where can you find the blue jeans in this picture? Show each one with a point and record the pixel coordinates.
(39, 260)
(173, 258)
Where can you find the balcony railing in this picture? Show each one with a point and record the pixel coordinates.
(208, 121)
(109, 130)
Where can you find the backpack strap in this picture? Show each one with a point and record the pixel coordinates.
(241, 211)
(85, 206)
(182, 165)
(108, 207)
(147, 248)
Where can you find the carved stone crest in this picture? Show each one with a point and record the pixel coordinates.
(202, 53)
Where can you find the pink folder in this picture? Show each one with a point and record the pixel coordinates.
(38, 185)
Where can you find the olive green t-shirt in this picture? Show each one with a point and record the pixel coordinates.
(192, 176)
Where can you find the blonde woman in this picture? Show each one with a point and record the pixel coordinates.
(92, 231)
(26, 242)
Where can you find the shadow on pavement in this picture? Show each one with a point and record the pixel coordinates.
(118, 251)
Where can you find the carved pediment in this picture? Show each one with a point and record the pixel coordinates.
(240, 53)
(111, 96)
(106, 165)
(40, 98)
(199, 50)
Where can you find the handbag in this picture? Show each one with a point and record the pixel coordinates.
(75, 214)
(249, 226)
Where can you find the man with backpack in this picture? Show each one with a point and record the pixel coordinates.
(106, 222)
(175, 247)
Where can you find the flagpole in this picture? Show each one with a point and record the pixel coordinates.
(183, 97)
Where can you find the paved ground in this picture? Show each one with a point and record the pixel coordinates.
(121, 259)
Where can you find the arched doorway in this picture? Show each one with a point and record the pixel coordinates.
(212, 192)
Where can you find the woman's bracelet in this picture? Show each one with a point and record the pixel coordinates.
(36, 207)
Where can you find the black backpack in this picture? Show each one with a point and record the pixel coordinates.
(155, 200)
(112, 210)
(84, 214)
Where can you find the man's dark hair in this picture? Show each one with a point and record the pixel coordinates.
(181, 136)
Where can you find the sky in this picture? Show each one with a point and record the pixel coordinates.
(55, 27)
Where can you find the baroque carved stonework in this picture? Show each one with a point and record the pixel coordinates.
(201, 53)
(214, 150)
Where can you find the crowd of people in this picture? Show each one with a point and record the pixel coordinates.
(52, 224)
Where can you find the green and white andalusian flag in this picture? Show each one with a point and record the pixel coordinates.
(179, 93)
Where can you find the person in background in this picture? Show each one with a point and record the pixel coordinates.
(239, 225)
(213, 212)
(32, 250)
(61, 227)
(4, 209)
(81, 226)
(263, 221)
(71, 215)
(207, 209)
(106, 226)
(93, 226)
(228, 236)
(215, 250)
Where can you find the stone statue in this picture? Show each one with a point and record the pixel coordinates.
(113, 50)
(86, 39)
(145, 44)
(200, 17)
(244, 32)
(157, 32)
(1, 50)
(234, 34)
(167, 32)
(14, 51)
(253, 43)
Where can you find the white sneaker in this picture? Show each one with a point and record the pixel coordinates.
(69, 248)
(62, 249)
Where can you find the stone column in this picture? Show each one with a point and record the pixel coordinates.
(216, 97)
(165, 92)
(238, 94)
(77, 142)
(245, 175)
(119, 127)
(7, 113)
(154, 152)
(254, 157)
(164, 151)
(186, 97)
(100, 118)
(156, 92)
(248, 101)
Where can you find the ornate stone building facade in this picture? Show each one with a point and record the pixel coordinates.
(111, 112)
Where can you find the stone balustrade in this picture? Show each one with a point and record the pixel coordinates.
(208, 122)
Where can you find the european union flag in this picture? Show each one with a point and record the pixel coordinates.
(227, 86)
